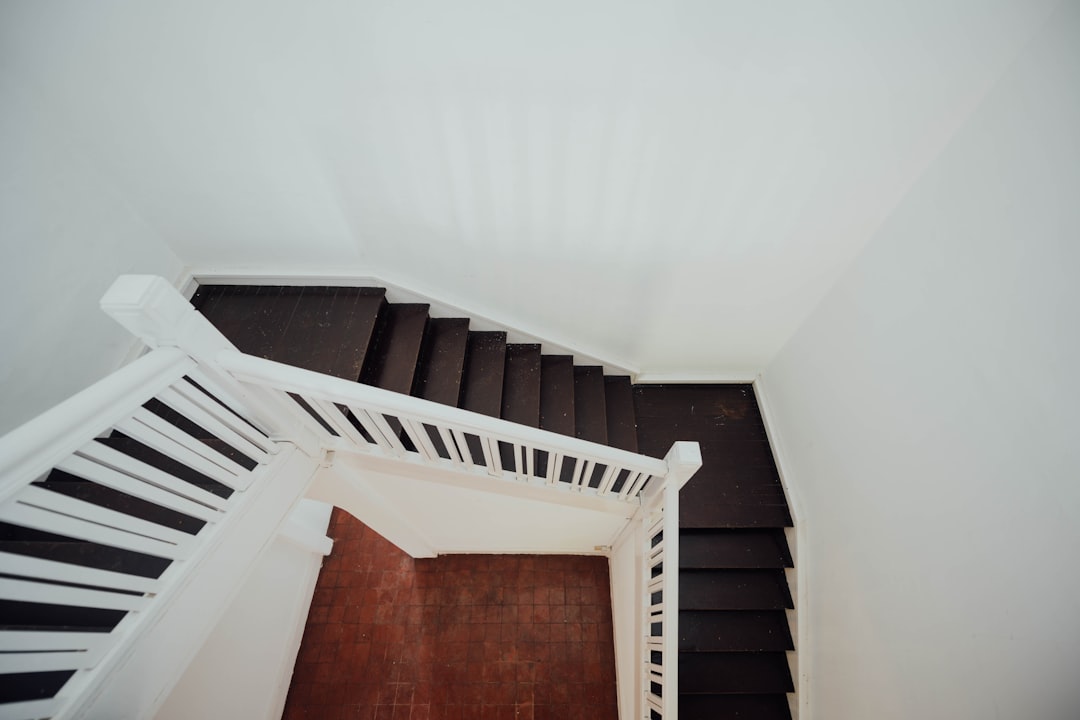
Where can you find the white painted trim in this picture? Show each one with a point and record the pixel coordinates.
(803, 670)
(406, 291)
(552, 494)
(402, 291)
(186, 284)
(356, 493)
(296, 635)
(136, 676)
(740, 377)
(306, 538)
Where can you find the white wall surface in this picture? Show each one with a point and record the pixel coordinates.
(627, 611)
(612, 174)
(66, 232)
(426, 517)
(244, 669)
(928, 409)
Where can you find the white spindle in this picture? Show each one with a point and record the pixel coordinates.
(463, 447)
(35, 518)
(212, 423)
(107, 477)
(227, 415)
(420, 439)
(143, 427)
(44, 662)
(110, 457)
(37, 592)
(30, 709)
(72, 507)
(34, 567)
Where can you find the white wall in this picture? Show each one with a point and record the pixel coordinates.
(65, 234)
(427, 513)
(243, 670)
(603, 175)
(928, 409)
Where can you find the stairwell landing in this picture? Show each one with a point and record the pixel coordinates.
(734, 637)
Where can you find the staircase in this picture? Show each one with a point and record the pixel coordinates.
(734, 637)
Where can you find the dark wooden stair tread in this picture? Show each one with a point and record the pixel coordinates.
(354, 335)
(731, 515)
(391, 361)
(733, 590)
(590, 407)
(619, 407)
(252, 317)
(485, 363)
(722, 672)
(557, 394)
(734, 707)
(734, 631)
(322, 329)
(442, 360)
(521, 385)
(734, 549)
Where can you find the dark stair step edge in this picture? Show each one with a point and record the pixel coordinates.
(734, 672)
(521, 385)
(619, 408)
(391, 362)
(733, 590)
(521, 393)
(734, 707)
(734, 631)
(746, 514)
(557, 394)
(590, 406)
(734, 548)
(485, 363)
(442, 361)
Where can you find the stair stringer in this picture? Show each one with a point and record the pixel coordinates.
(431, 511)
(799, 658)
(138, 677)
(400, 291)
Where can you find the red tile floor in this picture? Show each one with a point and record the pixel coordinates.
(468, 637)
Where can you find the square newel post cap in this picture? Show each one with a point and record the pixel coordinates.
(683, 460)
(148, 306)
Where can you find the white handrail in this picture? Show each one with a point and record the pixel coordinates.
(325, 387)
(660, 518)
(128, 517)
(34, 448)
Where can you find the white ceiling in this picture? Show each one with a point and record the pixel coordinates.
(620, 175)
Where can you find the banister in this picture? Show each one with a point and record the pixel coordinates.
(325, 387)
(33, 448)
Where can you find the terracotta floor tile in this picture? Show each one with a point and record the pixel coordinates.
(518, 637)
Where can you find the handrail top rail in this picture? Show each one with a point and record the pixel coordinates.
(32, 448)
(334, 389)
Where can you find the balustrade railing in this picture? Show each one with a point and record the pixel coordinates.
(103, 501)
(362, 418)
(107, 500)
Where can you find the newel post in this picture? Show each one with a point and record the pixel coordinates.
(683, 460)
(155, 312)
(151, 309)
